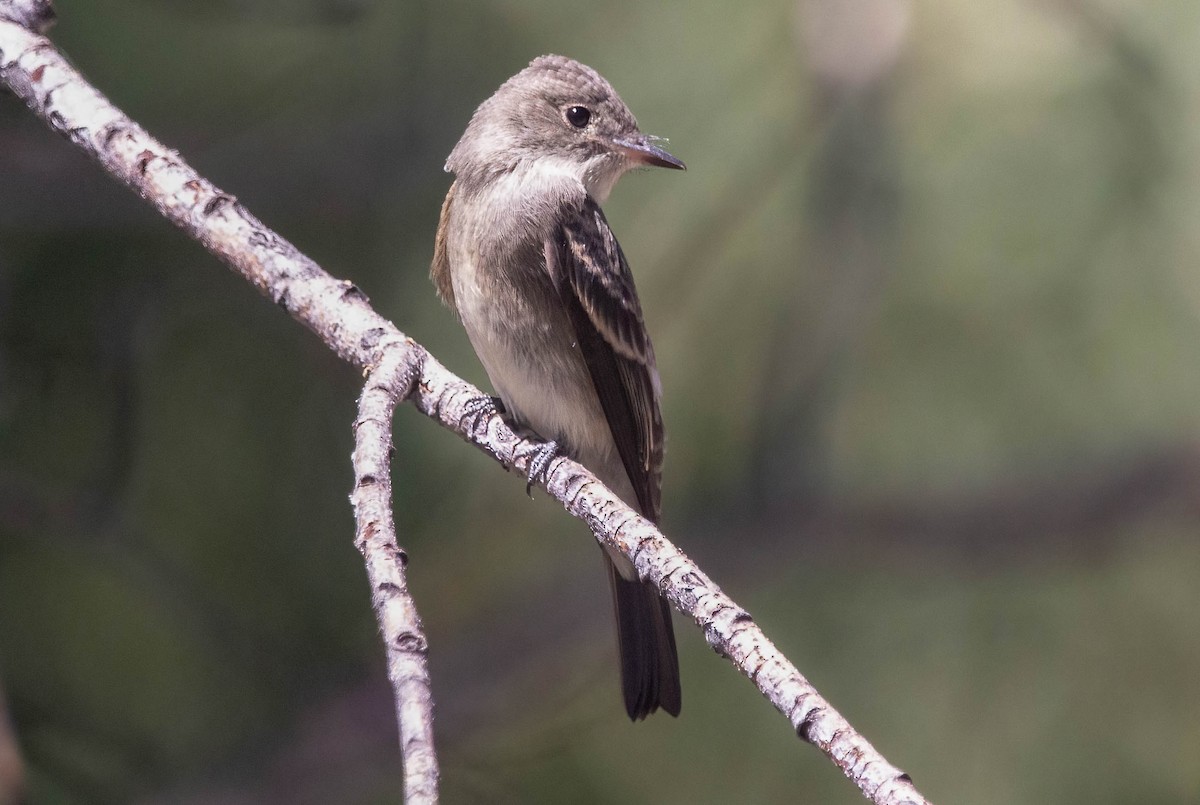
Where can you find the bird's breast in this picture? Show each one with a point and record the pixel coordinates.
(518, 326)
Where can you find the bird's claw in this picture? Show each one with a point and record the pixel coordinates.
(542, 457)
(478, 409)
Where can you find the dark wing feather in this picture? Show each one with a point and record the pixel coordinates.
(596, 286)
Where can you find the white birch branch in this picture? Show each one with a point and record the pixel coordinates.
(375, 537)
(341, 317)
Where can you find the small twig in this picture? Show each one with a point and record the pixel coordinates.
(375, 538)
(340, 315)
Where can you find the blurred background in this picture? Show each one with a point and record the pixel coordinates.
(926, 308)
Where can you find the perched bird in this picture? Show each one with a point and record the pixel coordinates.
(526, 259)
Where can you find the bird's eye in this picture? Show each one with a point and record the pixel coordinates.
(579, 116)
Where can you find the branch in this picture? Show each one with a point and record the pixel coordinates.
(375, 538)
(33, 15)
(340, 315)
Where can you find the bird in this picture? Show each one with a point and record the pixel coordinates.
(526, 259)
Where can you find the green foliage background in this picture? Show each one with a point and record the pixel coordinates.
(930, 356)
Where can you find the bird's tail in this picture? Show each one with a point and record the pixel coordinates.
(646, 642)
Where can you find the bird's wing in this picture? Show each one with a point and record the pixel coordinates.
(596, 286)
(439, 271)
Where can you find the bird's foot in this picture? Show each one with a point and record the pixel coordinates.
(538, 470)
(478, 409)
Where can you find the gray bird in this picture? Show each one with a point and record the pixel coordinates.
(526, 259)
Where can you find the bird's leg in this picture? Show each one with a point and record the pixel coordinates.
(478, 409)
(538, 470)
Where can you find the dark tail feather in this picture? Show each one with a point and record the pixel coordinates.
(646, 641)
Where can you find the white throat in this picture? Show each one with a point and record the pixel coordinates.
(597, 176)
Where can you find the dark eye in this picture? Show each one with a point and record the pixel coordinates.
(579, 116)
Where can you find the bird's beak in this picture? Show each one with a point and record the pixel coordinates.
(640, 148)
